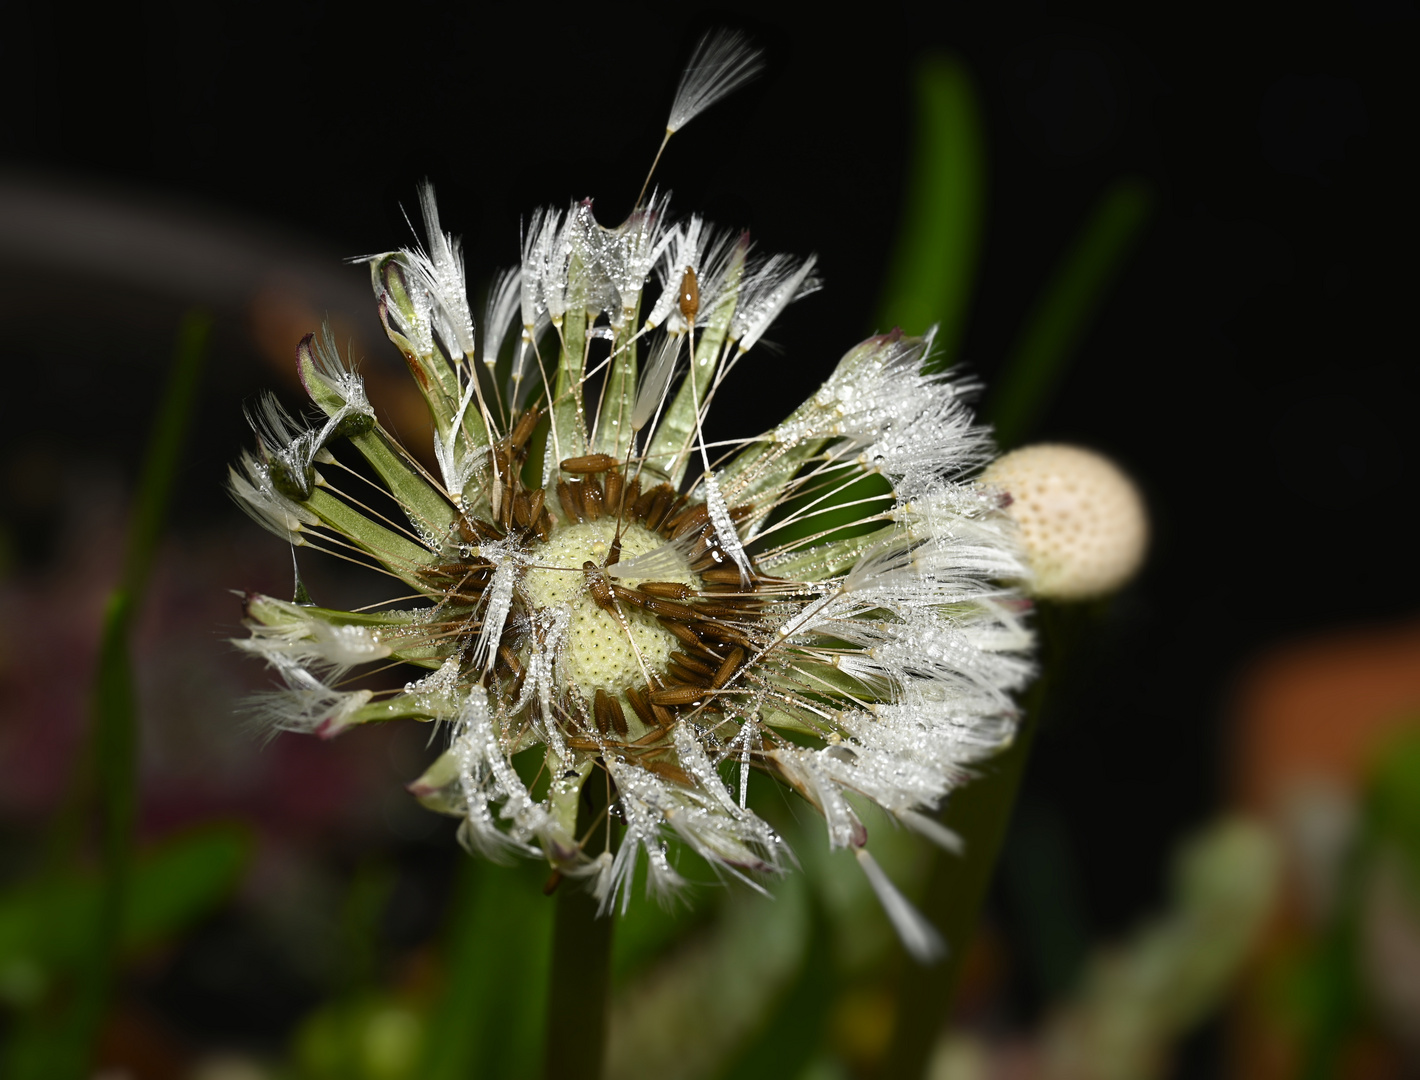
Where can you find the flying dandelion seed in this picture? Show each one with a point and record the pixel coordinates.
(601, 587)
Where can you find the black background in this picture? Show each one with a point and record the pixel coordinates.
(1253, 367)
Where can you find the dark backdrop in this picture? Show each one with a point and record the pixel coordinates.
(1253, 367)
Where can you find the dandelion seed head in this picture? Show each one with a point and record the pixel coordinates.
(1082, 522)
(596, 586)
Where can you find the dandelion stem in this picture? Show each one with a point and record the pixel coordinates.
(581, 961)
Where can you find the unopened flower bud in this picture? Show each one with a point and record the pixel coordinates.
(1083, 526)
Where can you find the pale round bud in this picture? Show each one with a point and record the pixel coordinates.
(1083, 526)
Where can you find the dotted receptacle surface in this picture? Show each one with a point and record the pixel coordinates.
(1082, 522)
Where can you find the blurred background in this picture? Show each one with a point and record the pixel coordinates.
(1250, 363)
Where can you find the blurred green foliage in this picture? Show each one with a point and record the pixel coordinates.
(1051, 334)
(85, 921)
(43, 922)
(933, 270)
(1393, 803)
(1322, 987)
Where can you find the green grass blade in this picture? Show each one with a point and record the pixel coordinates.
(165, 445)
(112, 749)
(934, 261)
(1053, 331)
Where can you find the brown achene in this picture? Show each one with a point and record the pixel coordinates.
(713, 623)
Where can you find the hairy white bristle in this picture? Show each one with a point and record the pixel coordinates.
(722, 62)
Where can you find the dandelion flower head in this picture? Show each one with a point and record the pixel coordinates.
(606, 601)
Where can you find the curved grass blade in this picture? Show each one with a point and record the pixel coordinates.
(1052, 333)
(934, 261)
(110, 763)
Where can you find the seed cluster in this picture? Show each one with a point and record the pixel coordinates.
(642, 651)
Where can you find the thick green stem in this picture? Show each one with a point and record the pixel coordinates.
(578, 996)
